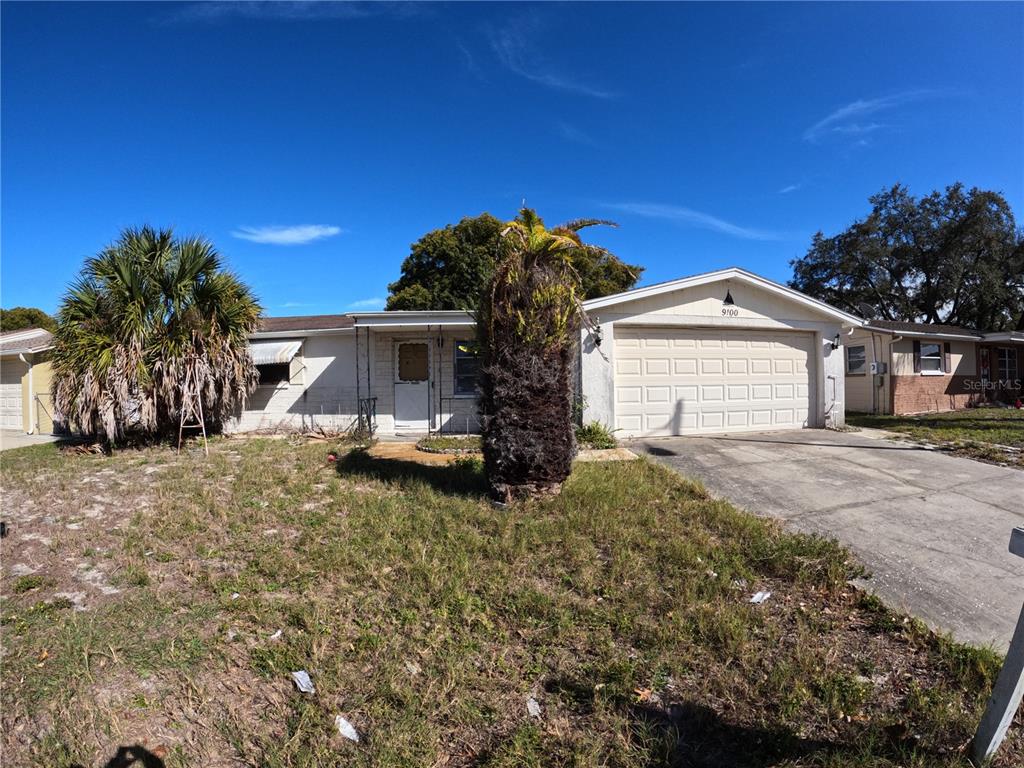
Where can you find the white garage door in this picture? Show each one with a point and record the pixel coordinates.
(672, 381)
(10, 393)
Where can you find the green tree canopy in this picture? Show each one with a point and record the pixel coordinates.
(954, 257)
(448, 268)
(19, 318)
(152, 320)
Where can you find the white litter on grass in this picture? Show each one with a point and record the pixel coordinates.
(533, 707)
(760, 597)
(235, 595)
(412, 668)
(303, 682)
(276, 635)
(346, 729)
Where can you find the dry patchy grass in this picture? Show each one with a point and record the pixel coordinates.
(142, 595)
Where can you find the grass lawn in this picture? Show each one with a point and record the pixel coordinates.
(976, 432)
(162, 600)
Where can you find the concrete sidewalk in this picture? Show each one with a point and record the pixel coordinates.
(932, 528)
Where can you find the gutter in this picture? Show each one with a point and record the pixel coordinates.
(924, 335)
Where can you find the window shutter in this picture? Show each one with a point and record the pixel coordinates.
(917, 356)
(946, 361)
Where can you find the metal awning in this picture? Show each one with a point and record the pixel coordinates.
(270, 352)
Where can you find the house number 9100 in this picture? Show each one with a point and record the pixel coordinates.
(730, 311)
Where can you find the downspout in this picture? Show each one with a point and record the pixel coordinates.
(31, 394)
(892, 387)
(874, 387)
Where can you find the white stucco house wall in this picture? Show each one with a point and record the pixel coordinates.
(723, 351)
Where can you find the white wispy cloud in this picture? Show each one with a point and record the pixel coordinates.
(296, 235)
(849, 117)
(298, 10)
(572, 133)
(469, 60)
(374, 303)
(513, 47)
(294, 305)
(790, 188)
(690, 218)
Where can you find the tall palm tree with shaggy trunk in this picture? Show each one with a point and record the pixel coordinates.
(529, 323)
(148, 314)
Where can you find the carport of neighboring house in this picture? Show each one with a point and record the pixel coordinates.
(726, 351)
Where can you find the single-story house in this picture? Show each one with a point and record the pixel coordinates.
(903, 368)
(724, 351)
(25, 403)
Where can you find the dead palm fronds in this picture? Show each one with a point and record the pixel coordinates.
(143, 312)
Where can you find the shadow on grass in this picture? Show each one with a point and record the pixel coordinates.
(463, 477)
(128, 756)
(700, 738)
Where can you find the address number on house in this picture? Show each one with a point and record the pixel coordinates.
(730, 311)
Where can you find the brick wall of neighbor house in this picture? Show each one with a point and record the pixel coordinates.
(919, 393)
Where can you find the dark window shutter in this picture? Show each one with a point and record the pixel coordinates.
(946, 362)
(917, 356)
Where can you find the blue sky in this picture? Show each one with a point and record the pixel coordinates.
(314, 142)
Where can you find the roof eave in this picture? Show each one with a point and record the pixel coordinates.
(924, 334)
(723, 274)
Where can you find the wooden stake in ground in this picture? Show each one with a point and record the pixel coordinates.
(192, 408)
(1009, 687)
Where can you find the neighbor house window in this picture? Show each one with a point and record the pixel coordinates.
(931, 357)
(467, 366)
(1007, 363)
(274, 374)
(856, 361)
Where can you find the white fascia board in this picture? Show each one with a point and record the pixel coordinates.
(412, 319)
(300, 333)
(733, 273)
(1012, 336)
(923, 335)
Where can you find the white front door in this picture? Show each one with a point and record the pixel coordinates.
(412, 385)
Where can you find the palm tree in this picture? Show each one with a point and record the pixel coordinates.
(529, 323)
(148, 313)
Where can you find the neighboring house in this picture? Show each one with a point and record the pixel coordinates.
(902, 368)
(25, 402)
(725, 351)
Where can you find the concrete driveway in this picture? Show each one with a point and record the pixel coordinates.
(13, 438)
(933, 529)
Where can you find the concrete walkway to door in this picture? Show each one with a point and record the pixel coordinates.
(15, 438)
(932, 528)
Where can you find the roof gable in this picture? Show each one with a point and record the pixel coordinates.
(733, 273)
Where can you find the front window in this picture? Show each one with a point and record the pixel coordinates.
(931, 358)
(273, 374)
(1007, 364)
(467, 366)
(856, 360)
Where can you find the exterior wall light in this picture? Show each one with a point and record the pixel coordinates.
(836, 341)
(597, 335)
(728, 298)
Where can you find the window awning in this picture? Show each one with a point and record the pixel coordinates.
(270, 352)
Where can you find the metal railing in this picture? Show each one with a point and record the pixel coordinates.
(367, 420)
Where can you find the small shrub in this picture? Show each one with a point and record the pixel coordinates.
(595, 435)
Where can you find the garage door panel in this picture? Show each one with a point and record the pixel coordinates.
(684, 381)
(10, 394)
(656, 366)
